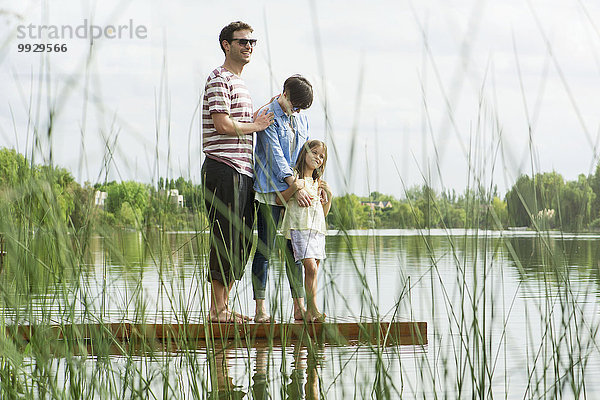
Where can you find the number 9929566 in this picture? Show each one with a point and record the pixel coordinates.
(42, 48)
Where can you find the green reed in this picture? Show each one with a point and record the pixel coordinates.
(57, 276)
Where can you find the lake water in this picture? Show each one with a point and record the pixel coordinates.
(510, 315)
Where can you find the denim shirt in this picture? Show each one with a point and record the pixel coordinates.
(274, 156)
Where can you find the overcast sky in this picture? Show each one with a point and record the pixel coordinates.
(445, 91)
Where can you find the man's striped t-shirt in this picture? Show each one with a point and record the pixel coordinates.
(226, 93)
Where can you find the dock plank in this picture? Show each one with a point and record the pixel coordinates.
(393, 333)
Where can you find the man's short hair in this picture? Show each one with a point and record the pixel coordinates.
(227, 32)
(299, 91)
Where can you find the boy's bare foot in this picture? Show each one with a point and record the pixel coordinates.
(262, 317)
(260, 314)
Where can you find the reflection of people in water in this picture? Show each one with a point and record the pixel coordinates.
(304, 359)
(303, 380)
(222, 386)
(260, 389)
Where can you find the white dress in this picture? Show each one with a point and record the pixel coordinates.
(306, 226)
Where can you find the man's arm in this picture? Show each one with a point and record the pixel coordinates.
(283, 197)
(227, 126)
(302, 197)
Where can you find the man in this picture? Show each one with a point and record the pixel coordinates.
(227, 174)
(277, 149)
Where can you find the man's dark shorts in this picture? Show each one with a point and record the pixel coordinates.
(228, 196)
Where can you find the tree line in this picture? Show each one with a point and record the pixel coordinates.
(543, 201)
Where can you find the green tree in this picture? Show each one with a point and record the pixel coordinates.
(500, 211)
(376, 196)
(14, 168)
(521, 202)
(429, 207)
(548, 188)
(348, 213)
(83, 205)
(402, 215)
(454, 217)
(576, 201)
(134, 194)
(594, 182)
(62, 187)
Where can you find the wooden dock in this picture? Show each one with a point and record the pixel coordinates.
(343, 333)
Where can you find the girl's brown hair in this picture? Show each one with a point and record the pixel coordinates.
(301, 162)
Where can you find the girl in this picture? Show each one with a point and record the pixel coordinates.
(305, 226)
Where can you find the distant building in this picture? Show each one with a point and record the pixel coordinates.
(175, 197)
(377, 204)
(100, 198)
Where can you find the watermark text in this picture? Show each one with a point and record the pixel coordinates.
(83, 31)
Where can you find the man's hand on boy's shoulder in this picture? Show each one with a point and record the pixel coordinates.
(263, 119)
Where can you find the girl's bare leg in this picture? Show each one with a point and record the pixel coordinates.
(299, 308)
(311, 269)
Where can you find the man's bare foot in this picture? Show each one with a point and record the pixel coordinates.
(237, 314)
(245, 318)
(225, 316)
(262, 317)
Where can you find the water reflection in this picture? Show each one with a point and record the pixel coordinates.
(509, 297)
(301, 381)
(133, 253)
(260, 387)
(222, 382)
(551, 259)
(304, 378)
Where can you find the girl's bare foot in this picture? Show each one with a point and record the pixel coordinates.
(299, 309)
(314, 316)
(299, 313)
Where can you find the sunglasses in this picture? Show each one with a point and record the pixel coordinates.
(244, 42)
